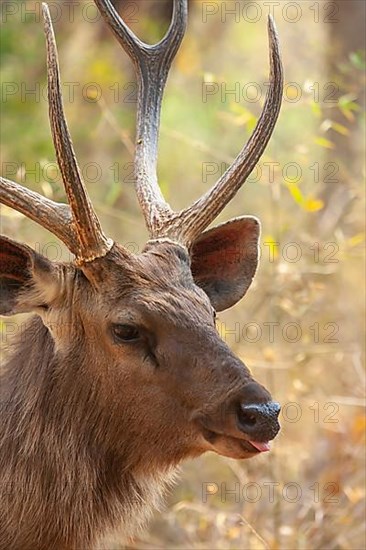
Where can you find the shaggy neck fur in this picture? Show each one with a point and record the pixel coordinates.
(57, 472)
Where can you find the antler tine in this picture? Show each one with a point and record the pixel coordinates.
(91, 242)
(152, 64)
(193, 220)
(51, 215)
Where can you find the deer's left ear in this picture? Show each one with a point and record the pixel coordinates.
(224, 260)
(28, 280)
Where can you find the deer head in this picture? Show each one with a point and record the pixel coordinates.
(139, 330)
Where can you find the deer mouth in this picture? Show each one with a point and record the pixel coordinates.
(240, 430)
(234, 447)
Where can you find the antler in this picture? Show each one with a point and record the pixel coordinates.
(152, 64)
(75, 224)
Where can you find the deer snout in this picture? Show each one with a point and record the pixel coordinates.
(259, 421)
(244, 424)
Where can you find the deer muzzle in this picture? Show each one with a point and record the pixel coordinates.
(259, 422)
(242, 426)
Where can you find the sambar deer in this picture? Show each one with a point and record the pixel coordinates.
(121, 373)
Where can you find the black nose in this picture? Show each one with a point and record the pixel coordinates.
(259, 421)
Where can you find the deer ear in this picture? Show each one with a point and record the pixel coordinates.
(224, 260)
(28, 280)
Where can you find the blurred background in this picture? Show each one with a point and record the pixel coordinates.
(300, 328)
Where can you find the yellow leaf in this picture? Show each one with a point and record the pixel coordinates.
(313, 205)
(348, 106)
(355, 494)
(340, 128)
(348, 114)
(296, 193)
(324, 142)
(359, 238)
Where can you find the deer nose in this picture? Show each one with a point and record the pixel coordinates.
(259, 421)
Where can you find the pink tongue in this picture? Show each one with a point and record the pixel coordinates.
(262, 447)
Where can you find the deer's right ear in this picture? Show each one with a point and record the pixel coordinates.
(28, 280)
(224, 260)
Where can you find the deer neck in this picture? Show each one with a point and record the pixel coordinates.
(53, 440)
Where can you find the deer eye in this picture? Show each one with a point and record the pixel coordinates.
(126, 333)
